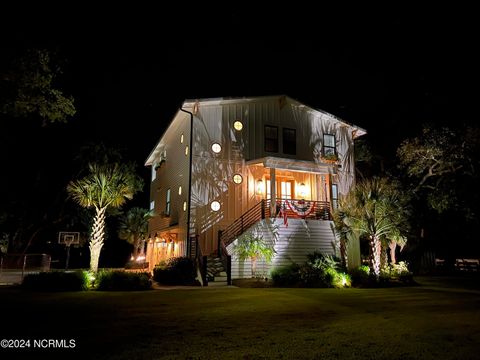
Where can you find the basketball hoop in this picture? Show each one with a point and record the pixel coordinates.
(68, 238)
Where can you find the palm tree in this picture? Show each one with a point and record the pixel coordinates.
(106, 186)
(377, 210)
(133, 227)
(253, 247)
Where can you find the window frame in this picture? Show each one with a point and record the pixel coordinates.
(168, 201)
(334, 147)
(266, 139)
(294, 143)
(334, 196)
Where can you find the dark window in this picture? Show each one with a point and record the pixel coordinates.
(329, 145)
(289, 141)
(271, 138)
(334, 196)
(167, 204)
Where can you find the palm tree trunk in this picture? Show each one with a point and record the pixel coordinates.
(135, 247)
(254, 265)
(392, 246)
(383, 256)
(97, 237)
(343, 253)
(376, 250)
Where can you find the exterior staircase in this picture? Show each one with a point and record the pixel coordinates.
(291, 244)
(216, 274)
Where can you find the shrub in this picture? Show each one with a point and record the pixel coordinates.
(177, 271)
(287, 276)
(122, 281)
(360, 276)
(324, 271)
(319, 271)
(323, 261)
(56, 281)
(396, 273)
(340, 279)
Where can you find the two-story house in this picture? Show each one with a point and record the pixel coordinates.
(225, 166)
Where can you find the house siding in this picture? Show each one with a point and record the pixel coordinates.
(173, 173)
(212, 173)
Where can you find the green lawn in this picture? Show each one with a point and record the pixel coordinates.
(431, 321)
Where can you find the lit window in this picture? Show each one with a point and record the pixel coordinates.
(216, 148)
(237, 125)
(286, 190)
(184, 206)
(154, 172)
(181, 139)
(186, 150)
(237, 179)
(215, 205)
(179, 190)
(167, 203)
(329, 145)
(152, 205)
(334, 196)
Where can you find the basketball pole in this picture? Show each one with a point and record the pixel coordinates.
(67, 260)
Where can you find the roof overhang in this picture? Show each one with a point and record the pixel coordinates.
(292, 165)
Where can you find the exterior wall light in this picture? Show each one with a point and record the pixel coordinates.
(302, 190)
(259, 187)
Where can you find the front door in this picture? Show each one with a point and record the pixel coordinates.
(284, 189)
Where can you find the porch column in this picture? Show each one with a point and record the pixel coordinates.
(273, 192)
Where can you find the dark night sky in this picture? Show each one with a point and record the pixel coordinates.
(129, 69)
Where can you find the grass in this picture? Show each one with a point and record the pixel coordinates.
(431, 321)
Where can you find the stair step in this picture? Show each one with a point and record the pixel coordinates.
(217, 283)
(219, 278)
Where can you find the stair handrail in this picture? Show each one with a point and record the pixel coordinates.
(259, 211)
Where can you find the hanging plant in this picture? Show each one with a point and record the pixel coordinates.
(330, 158)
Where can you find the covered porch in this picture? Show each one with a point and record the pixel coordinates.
(161, 247)
(294, 188)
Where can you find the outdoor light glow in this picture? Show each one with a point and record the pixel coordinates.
(184, 206)
(215, 205)
(179, 190)
(186, 150)
(259, 188)
(237, 179)
(216, 148)
(140, 258)
(181, 139)
(238, 125)
(302, 190)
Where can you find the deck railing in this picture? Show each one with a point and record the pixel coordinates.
(291, 208)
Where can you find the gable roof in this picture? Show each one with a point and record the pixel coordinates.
(287, 99)
(191, 103)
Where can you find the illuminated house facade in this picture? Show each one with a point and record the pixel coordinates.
(220, 163)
